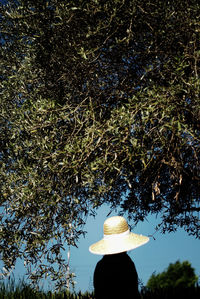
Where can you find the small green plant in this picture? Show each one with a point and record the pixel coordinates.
(10, 289)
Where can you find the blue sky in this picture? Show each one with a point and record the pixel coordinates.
(156, 255)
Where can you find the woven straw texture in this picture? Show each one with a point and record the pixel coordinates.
(114, 242)
(115, 225)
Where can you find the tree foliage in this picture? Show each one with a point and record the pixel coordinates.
(99, 104)
(177, 275)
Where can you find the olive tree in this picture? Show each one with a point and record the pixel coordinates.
(99, 104)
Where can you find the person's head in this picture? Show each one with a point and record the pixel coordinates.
(117, 238)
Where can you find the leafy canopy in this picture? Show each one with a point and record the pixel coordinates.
(99, 104)
(177, 275)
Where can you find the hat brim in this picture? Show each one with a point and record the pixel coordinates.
(113, 246)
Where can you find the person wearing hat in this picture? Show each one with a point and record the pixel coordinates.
(115, 275)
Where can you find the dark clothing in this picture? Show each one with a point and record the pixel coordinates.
(115, 276)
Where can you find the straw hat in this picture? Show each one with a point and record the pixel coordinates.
(117, 238)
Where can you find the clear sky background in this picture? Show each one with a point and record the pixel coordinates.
(156, 255)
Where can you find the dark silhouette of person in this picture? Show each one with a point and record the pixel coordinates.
(115, 276)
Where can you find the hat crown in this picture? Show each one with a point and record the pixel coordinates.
(115, 225)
